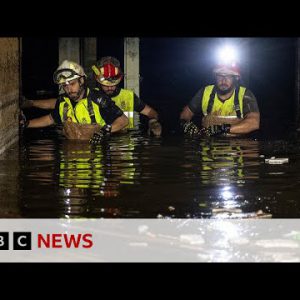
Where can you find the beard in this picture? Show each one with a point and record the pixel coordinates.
(75, 96)
(223, 90)
(112, 93)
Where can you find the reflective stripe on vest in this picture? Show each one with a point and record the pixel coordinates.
(125, 101)
(226, 108)
(128, 114)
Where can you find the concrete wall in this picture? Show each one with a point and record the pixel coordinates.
(9, 91)
(9, 126)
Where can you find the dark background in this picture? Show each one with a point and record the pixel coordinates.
(172, 69)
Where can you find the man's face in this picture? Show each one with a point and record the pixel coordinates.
(73, 89)
(108, 90)
(224, 83)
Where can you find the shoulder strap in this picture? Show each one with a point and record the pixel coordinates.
(236, 102)
(90, 107)
(211, 100)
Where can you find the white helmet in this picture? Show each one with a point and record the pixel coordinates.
(68, 71)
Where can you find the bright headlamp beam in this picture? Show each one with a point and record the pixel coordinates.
(227, 54)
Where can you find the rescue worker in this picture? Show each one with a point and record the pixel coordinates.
(225, 107)
(108, 75)
(80, 105)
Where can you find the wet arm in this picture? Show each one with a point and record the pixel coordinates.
(248, 124)
(186, 114)
(45, 104)
(194, 107)
(119, 123)
(149, 112)
(42, 104)
(41, 122)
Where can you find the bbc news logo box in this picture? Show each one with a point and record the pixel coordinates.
(23, 240)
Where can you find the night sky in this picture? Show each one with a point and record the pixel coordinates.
(173, 69)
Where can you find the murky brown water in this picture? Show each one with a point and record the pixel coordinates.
(136, 176)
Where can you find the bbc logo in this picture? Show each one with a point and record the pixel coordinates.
(21, 240)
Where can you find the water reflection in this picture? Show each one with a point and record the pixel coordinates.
(9, 184)
(135, 176)
(222, 161)
(87, 171)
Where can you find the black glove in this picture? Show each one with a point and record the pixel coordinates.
(190, 128)
(102, 135)
(215, 130)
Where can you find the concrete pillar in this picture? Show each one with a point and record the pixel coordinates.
(9, 126)
(132, 68)
(89, 55)
(69, 48)
(132, 64)
(9, 91)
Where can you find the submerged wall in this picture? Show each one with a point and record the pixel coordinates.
(9, 91)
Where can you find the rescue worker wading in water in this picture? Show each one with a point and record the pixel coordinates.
(80, 105)
(108, 75)
(226, 107)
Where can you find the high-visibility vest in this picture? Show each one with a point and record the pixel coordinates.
(86, 111)
(125, 101)
(231, 107)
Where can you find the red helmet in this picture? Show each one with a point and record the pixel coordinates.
(231, 68)
(107, 71)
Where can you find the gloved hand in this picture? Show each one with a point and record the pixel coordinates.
(25, 103)
(190, 128)
(154, 127)
(215, 130)
(101, 135)
(23, 122)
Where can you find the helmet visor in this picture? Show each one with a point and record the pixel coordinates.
(63, 75)
(111, 78)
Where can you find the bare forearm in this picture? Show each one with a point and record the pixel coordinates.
(248, 124)
(186, 114)
(150, 112)
(44, 104)
(119, 123)
(41, 122)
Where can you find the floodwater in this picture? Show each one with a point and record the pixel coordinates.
(136, 176)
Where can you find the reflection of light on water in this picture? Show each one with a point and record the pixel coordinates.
(67, 201)
(228, 197)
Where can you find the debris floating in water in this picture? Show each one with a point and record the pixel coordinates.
(222, 213)
(276, 161)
